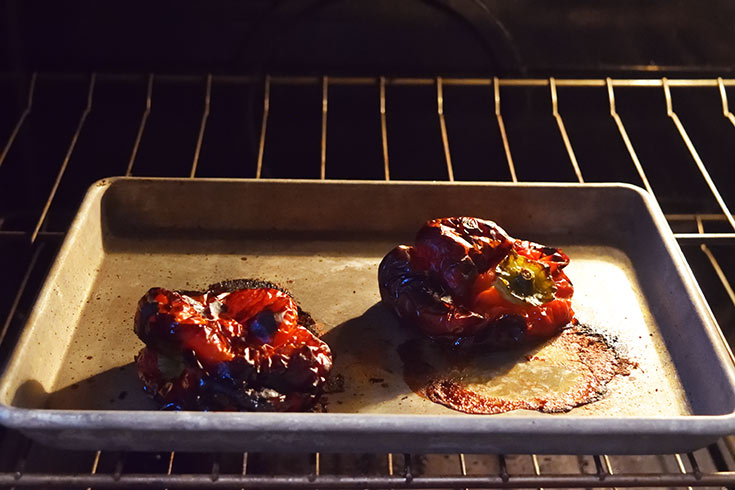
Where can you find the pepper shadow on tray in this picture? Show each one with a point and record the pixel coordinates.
(367, 363)
(114, 389)
(388, 367)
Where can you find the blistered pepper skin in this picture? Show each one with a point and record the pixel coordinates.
(446, 285)
(240, 345)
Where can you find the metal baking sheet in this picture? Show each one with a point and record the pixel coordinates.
(71, 380)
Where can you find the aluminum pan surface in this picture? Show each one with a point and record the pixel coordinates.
(333, 274)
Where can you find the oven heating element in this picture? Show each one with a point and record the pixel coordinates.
(706, 234)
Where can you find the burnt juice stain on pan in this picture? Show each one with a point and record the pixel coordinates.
(564, 372)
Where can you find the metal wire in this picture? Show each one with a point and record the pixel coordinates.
(695, 155)
(202, 127)
(95, 464)
(443, 128)
(725, 106)
(405, 81)
(119, 465)
(170, 463)
(141, 126)
(503, 134)
(626, 138)
(384, 129)
(563, 130)
(462, 465)
(325, 105)
(536, 468)
(263, 124)
(680, 464)
(21, 119)
(244, 464)
(608, 468)
(215, 473)
(503, 473)
(65, 162)
(21, 289)
(725, 284)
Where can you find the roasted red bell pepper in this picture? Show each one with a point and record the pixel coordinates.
(240, 345)
(466, 280)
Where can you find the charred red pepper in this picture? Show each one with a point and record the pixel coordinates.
(467, 280)
(240, 345)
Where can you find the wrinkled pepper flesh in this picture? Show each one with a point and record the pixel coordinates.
(240, 345)
(467, 281)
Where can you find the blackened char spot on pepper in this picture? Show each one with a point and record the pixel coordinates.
(505, 333)
(232, 285)
(264, 326)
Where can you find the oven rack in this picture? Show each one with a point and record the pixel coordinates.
(706, 232)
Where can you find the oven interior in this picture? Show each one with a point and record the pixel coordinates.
(346, 90)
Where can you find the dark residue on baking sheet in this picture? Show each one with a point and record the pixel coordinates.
(557, 375)
(334, 384)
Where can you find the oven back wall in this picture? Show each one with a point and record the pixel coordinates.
(462, 37)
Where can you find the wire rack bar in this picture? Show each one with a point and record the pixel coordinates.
(563, 130)
(462, 465)
(21, 119)
(407, 468)
(536, 468)
(720, 273)
(95, 464)
(503, 133)
(325, 106)
(725, 106)
(695, 216)
(21, 289)
(119, 465)
(263, 125)
(215, 473)
(607, 466)
(384, 129)
(719, 238)
(680, 464)
(626, 138)
(202, 127)
(17, 234)
(716, 266)
(443, 128)
(694, 464)
(503, 473)
(141, 126)
(728, 289)
(21, 459)
(599, 470)
(67, 157)
(244, 464)
(170, 463)
(695, 155)
(402, 81)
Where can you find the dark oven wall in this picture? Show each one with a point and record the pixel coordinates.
(408, 37)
